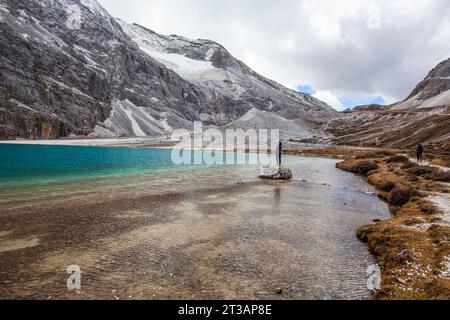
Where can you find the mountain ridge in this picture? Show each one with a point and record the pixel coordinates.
(79, 74)
(424, 116)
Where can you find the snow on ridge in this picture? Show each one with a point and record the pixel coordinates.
(192, 60)
(210, 53)
(3, 8)
(187, 68)
(442, 99)
(74, 17)
(95, 8)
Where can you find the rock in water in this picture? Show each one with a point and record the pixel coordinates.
(281, 174)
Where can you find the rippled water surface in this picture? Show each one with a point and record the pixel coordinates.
(194, 232)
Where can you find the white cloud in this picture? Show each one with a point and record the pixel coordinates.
(324, 43)
(328, 97)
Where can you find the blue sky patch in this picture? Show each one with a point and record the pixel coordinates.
(346, 102)
(306, 89)
(350, 103)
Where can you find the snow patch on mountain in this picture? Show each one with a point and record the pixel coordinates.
(189, 69)
(4, 9)
(442, 99)
(74, 17)
(209, 54)
(95, 8)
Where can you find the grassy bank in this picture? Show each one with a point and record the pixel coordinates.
(413, 246)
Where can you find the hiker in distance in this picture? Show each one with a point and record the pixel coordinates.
(420, 151)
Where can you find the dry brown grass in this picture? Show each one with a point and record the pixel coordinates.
(362, 167)
(438, 176)
(401, 195)
(397, 159)
(339, 152)
(409, 251)
(375, 154)
(421, 170)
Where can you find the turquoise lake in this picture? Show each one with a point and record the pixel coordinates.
(40, 163)
(42, 171)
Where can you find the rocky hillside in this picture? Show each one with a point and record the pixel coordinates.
(423, 117)
(69, 69)
(433, 91)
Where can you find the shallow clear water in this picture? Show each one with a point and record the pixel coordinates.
(141, 228)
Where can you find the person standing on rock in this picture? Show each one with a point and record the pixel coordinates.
(420, 151)
(280, 153)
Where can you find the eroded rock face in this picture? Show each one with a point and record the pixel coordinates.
(436, 82)
(66, 64)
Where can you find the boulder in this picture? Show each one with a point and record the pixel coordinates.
(279, 174)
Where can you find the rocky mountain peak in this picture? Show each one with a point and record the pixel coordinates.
(70, 69)
(441, 71)
(436, 82)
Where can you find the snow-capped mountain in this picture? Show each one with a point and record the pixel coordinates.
(209, 65)
(70, 69)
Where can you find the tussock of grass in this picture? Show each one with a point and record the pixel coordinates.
(417, 208)
(421, 170)
(438, 176)
(375, 154)
(389, 243)
(412, 222)
(440, 234)
(408, 165)
(428, 208)
(397, 159)
(440, 289)
(401, 195)
(362, 167)
(387, 186)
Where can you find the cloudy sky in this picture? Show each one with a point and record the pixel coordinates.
(345, 52)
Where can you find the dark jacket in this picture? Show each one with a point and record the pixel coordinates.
(420, 149)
